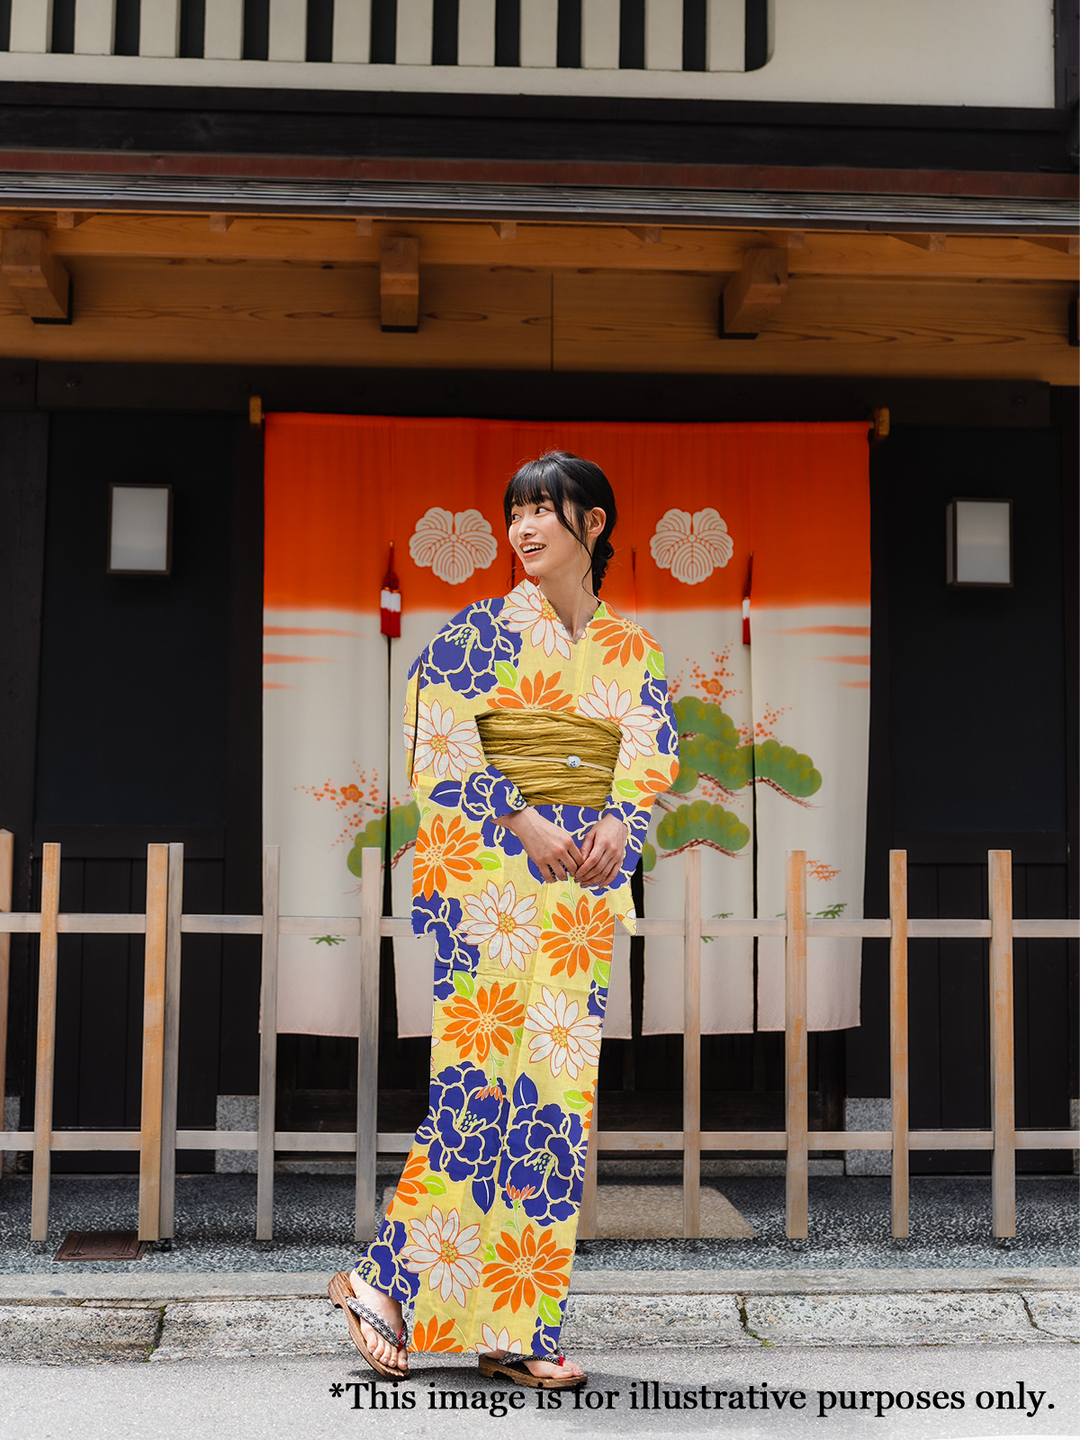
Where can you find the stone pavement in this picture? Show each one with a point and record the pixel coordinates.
(86, 1318)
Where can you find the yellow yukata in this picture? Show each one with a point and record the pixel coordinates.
(480, 1234)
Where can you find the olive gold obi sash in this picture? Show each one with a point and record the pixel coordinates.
(553, 757)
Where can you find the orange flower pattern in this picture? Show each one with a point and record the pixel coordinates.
(623, 641)
(538, 693)
(579, 936)
(432, 1337)
(526, 1269)
(480, 1235)
(410, 1187)
(445, 853)
(477, 1026)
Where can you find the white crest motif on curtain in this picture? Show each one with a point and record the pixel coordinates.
(454, 544)
(691, 546)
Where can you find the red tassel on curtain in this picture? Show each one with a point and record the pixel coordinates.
(390, 600)
(746, 601)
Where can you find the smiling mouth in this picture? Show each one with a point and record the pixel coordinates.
(531, 549)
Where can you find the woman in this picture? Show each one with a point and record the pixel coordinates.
(540, 731)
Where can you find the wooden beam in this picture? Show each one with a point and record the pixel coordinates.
(38, 279)
(795, 1073)
(935, 242)
(751, 296)
(898, 1041)
(399, 284)
(553, 246)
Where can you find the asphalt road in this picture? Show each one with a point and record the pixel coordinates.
(312, 1398)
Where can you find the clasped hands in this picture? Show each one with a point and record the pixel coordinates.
(596, 862)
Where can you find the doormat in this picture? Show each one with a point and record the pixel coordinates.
(102, 1245)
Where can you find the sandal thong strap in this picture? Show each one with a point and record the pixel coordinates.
(521, 1362)
(378, 1324)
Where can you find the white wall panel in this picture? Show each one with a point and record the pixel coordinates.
(476, 32)
(224, 32)
(725, 35)
(414, 32)
(352, 31)
(539, 33)
(288, 30)
(95, 25)
(159, 28)
(31, 26)
(663, 34)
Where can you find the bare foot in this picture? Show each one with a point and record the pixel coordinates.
(386, 1309)
(547, 1369)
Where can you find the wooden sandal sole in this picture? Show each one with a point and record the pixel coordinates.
(340, 1291)
(495, 1369)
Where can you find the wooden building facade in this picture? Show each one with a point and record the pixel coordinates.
(669, 210)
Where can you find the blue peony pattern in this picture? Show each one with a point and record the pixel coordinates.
(544, 1158)
(464, 653)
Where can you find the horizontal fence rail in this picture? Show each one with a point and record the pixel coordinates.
(164, 924)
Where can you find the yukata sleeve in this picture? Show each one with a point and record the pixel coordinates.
(648, 756)
(443, 753)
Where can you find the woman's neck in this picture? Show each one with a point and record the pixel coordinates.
(574, 604)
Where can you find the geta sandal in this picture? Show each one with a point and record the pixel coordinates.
(341, 1293)
(515, 1368)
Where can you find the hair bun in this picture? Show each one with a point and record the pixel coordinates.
(603, 552)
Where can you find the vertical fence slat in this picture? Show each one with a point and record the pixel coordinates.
(725, 42)
(170, 1070)
(795, 1046)
(31, 26)
(264, 1203)
(898, 1039)
(663, 34)
(288, 30)
(7, 872)
(95, 27)
(476, 32)
(157, 916)
(600, 34)
(159, 28)
(367, 1050)
(223, 30)
(414, 32)
(692, 1048)
(46, 1044)
(539, 34)
(1002, 1097)
(352, 33)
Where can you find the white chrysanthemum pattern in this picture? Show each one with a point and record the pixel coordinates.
(449, 750)
(444, 1251)
(638, 723)
(502, 922)
(563, 1037)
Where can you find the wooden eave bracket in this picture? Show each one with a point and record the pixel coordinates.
(505, 229)
(752, 295)
(219, 223)
(1064, 244)
(38, 279)
(72, 219)
(399, 284)
(924, 242)
(647, 234)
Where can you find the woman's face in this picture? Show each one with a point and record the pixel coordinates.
(543, 544)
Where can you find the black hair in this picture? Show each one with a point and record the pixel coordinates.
(568, 481)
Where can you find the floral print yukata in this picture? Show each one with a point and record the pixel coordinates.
(480, 1233)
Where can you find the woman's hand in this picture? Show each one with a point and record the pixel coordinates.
(602, 852)
(548, 846)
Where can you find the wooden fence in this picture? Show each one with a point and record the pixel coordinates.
(164, 924)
